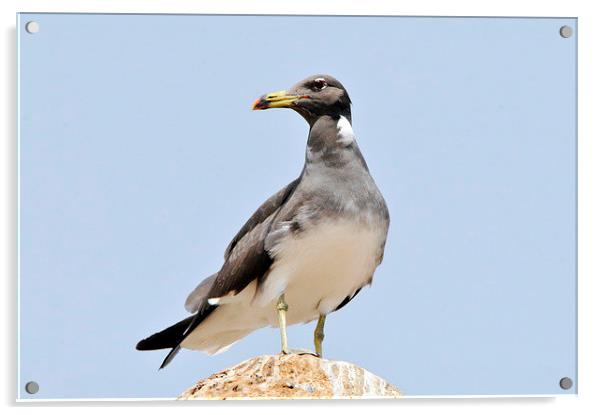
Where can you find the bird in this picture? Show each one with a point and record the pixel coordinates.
(307, 251)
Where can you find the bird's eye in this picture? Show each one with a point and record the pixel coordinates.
(319, 84)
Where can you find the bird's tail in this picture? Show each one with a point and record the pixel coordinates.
(166, 339)
(173, 336)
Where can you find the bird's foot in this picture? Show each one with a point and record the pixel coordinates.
(299, 352)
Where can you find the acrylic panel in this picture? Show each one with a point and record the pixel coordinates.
(140, 158)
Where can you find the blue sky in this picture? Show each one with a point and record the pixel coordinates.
(140, 158)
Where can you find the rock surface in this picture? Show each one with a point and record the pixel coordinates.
(290, 377)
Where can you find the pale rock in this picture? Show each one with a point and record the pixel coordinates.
(292, 377)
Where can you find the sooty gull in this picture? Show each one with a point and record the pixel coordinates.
(307, 250)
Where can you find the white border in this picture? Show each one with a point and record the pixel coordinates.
(386, 398)
(18, 174)
(590, 174)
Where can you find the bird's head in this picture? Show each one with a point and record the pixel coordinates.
(312, 97)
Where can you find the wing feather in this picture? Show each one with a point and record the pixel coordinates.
(199, 294)
(246, 257)
(267, 209)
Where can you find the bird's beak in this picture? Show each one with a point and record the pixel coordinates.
(279, 99)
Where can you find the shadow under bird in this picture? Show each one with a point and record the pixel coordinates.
(307, 250)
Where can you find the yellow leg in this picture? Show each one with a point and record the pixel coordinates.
(282, 307)
(319, 335)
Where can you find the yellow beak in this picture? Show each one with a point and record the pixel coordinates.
(277, 99)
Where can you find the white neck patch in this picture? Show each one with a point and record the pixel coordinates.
(345, 134)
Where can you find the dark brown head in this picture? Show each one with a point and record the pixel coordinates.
(313, 97)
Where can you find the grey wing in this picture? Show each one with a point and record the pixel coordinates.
(247, 261)
(245, 258)
(268, 208)
(199, 294)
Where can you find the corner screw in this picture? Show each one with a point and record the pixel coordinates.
(566, 31)
(32, 387)
(32, 27)
(566, 383)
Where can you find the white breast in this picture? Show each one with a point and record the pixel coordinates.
(316, 270)
(319, 268)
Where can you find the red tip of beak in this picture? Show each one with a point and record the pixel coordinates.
(259, 104)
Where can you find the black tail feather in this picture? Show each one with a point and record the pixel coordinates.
(173, 336)
(166, 339)
(173, 352)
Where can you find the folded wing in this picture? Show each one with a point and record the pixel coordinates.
(246, 259)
